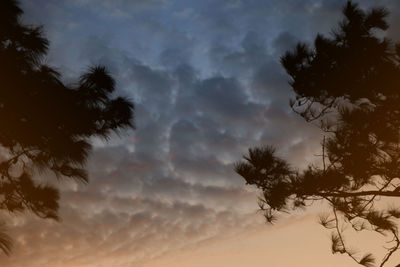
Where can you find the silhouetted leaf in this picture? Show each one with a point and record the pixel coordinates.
(347, 84)
(368, 260)
(46, 124)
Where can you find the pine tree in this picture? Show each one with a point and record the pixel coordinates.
(46, 124)
(348, 85)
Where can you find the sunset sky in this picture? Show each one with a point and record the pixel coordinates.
(207, 84)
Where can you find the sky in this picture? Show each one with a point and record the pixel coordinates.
(207, 84)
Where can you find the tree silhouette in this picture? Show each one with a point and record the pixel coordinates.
(46, 124)
(348, 85)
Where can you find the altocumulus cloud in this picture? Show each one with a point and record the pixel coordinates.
(207, 83)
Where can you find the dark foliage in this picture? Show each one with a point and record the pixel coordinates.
(46, 125)
(348, 85)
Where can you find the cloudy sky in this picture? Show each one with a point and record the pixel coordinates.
(207, 84)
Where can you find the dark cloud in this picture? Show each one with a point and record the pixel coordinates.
(207, 84)
(285, 41)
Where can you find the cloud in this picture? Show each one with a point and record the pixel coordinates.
(116, 231)
(207, 85)
(121, 8)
